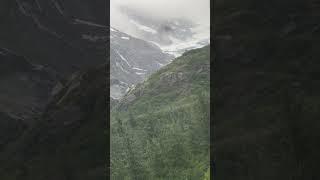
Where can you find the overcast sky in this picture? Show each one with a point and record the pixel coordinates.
(196, 10)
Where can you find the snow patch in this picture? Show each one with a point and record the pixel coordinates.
(124, 59)
(160, 64)
(119, 65)
(126, 38)
(142, 27)
(139, 69)
(124, 83)
(113, 30)
(140, 73)
(80, 21)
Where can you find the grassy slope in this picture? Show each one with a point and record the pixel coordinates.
(160, 129)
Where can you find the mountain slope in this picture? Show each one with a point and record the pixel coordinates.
(53, 33)
(68, 36)
(68, 140)
(266, 92)
(159, 130)
(52, 113)
(24, 92)
(132, 60)
(17, 73)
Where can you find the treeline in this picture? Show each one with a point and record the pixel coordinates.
(171, 143)
(160, 130)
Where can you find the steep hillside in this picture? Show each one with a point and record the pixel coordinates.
(51, 106)
(160, 129)
(17, 73)
(132, 60)
(266, 92)
(24, 92)
(55, 33)
(68, 140)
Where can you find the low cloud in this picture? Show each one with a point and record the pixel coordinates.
(197, 11)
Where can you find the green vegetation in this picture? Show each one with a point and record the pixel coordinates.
(160, 130)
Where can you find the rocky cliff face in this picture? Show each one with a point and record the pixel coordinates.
(266, 90)
(132, 60)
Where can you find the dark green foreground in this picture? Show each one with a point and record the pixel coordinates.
(160, 130)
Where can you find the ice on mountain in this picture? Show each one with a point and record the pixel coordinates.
(113, 30)
(140, 73)
(139, 69)
(80, 21)
(126, 38)
(124, 59)
(142, 27)
(120, 66)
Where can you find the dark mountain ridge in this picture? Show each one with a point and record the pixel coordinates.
(53, 77)
(38, 30)
(68, 140)
(266, 89)
(18, 73)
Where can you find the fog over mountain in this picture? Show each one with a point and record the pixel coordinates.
(198, 11)
(175, 26)
(146, 35)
